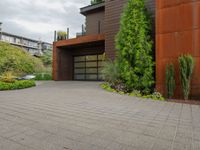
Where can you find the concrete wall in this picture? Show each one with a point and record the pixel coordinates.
(177, 32)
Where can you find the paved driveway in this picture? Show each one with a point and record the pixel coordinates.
(82, 116)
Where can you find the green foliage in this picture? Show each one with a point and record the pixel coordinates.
(107, 87)
(96, 1)
(61, 35)
(43, 76)
(155, 96)
(170, 80)
(186, 64)
(7, 77)
(134, 93)
(47, 58)
(16, 85)
(17, 60)
(111, 72)
(134, 44)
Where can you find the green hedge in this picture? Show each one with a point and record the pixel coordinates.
(43, 76)
(17, 85)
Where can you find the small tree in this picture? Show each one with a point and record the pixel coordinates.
(134, 44)
(170, 80)
(186, 64)
(61, 35)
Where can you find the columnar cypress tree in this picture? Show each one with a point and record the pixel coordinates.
(186, 64)
(170, 80)
(134, 44)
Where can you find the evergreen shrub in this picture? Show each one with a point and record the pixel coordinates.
(186, 64)
(134, 44)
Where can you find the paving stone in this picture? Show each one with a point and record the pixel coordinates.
(82, 116)
(181, 146)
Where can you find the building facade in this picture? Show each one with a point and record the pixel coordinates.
(175, 31)
(34, 47)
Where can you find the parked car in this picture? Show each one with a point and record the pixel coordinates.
(27, 77)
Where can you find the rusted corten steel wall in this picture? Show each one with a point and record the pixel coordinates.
(177, 32)
(113, 11)
(63, 52)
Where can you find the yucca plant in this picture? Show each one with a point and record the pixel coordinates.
(170, 80)
(186, 64)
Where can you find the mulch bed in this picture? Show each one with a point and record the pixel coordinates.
(192, 102)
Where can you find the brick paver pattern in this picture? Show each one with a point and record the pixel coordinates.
(82, 116)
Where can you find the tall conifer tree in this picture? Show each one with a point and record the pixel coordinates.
(134, 44)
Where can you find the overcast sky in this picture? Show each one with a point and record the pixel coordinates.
(38, 19)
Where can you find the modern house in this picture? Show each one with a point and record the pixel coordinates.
(34, 47)
(176, 26)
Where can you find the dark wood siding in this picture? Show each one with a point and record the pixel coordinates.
(95, 23)
(113, 11)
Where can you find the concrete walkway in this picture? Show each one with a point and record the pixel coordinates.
(82, 116)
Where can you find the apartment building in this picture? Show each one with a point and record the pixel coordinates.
(34, 47)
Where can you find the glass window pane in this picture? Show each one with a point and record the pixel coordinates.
(79, 70)
(81, 64)
(100, 77)
(100, 70)
(79, 77)
(91, 57)
(91, 77)
(91, 64)
(101, 63)
(100, 57)
(79, 58)
(91, 70)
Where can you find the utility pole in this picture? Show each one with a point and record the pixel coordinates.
(0, 31)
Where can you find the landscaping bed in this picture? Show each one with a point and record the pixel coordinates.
(22, 84)
(135, 93)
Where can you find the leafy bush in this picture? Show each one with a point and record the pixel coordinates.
(7, 77)
(186, 64)
(16, 85)
(134, 44)
(17, 60)
(170, 80)
(43, 76)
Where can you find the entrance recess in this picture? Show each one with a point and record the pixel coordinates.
(88, 67)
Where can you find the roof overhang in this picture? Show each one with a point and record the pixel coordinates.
(91, 8)
(84, 40)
